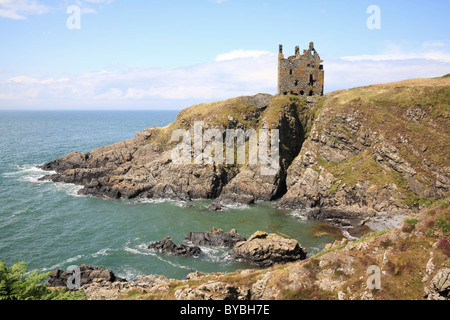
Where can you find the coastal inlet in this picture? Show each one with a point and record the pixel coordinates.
(51, 227)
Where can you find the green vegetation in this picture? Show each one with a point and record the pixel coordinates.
(409, 224)
(17, 284)
(443, 225)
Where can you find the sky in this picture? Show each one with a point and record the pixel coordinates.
(148, 54)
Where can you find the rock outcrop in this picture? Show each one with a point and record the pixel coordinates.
(215, 238)
(88, 274)
(166, 245)
(368, 154)
(263, 249)
(354, 153)
(144, 167)
(439, 288)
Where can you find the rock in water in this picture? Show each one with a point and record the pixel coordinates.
(166, 245)
(263, 249)
(59, 278)
(217, 238)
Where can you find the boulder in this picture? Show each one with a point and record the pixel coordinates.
(440, 286)
(58, 278)
(217, 238)
(166, 245)
(263, 249)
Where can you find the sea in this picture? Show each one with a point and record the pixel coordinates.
(49, 226)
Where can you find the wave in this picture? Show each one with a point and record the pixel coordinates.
(142, 250)
(32, 174)
(19, 212)
(236, 206)
(216, 254)
(129, 273)
(178, 203)
(65, 262)
(102, 252)
(299, 214)
(28, 173)
(69, 188)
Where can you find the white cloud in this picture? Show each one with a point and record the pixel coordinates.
(432, 59)
(20, 9)
(436, 43)
(342, 74)
(435, 55)
(208, 81)
(232, 74)
(239, 54)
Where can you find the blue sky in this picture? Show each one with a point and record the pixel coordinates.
(144, 54)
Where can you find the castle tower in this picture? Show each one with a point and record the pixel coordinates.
(300, 74)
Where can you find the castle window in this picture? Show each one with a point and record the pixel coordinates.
(311, 93)
(311, 80)
(290, 71)
(302, 92)
(296, 83)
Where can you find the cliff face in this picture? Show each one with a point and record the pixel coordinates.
(144, 166)
(354, 153)
(376, 149)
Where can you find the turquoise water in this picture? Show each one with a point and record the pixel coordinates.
(49, 226)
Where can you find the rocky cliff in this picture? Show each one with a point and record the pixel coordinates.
(144, 168)
(376, 149)
(358, 153)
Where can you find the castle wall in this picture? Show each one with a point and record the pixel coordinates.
(301, 74)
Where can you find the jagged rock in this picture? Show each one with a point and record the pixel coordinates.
(151, 282)
(167, 246)
(213, 291)
(100, 289)
(217, 238)
(88, 274)
(260, 100)
(415, 114)
(265, 249)
(388, 155)
(440, 286)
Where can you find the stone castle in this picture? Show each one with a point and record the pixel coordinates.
(300, 74)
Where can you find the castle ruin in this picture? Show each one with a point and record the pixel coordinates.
(300, 74)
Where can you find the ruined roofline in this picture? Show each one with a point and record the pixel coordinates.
(300, 74)
(297, 54)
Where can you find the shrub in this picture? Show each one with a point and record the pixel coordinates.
(444, 245)
(409, 224)
(386, 243)
(430, 223)
(441, 223)
(17, 284)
